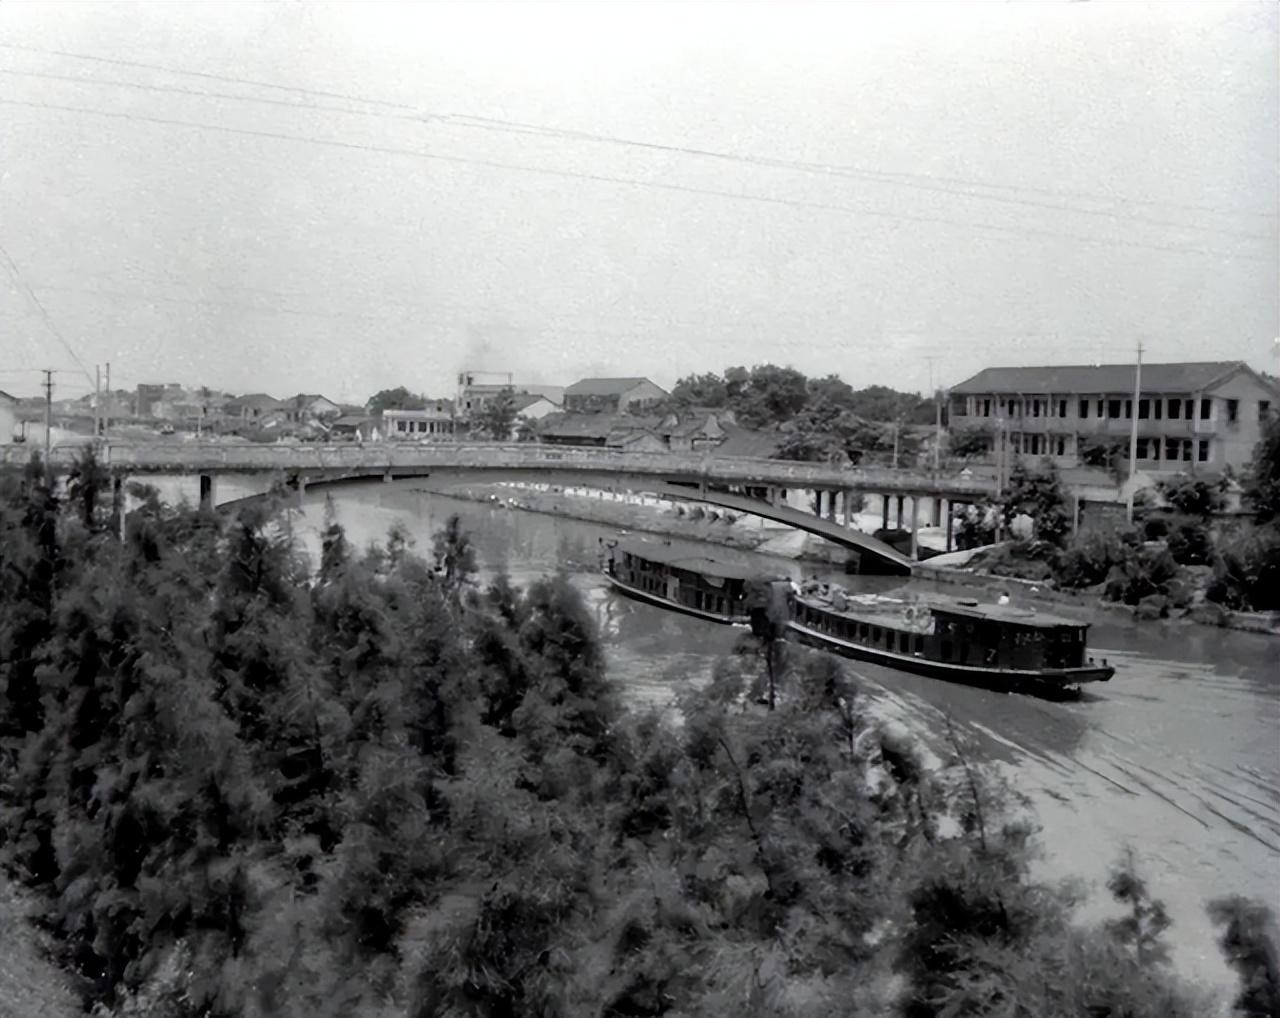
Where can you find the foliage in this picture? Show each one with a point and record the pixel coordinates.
(1038, 494)
(497, 418)
(1090, 555)
(1107, 453)
(1262, 478)
(245, 789)
(1246, 569)
(1151, 571)
(1188, 540)
(1193, 496)
(970, 442)
(707, 390)
(1249, 944)
(398, 398)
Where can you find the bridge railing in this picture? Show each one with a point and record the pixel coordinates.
(308, 458)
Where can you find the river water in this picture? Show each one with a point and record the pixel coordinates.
(1177, 757)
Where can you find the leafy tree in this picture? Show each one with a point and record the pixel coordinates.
(968, 443)
(497, 418)
(1193, 496)
(766, 606)
(1249, 944)
(1146, 920)
(1039, 495)
(455, 556)
(398, 398)
(708, 389)
(831, 389)
(1262, 484)
(1246, 569)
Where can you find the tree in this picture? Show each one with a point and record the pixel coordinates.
(709, 390)
(969, 442)
(398, 398)
(1039, 495)
(831, 389)
(1249, 944)
(454, 554)
(766, 606)
(497, 418)
(1262, 484)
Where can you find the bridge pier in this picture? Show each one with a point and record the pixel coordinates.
(208, 492)
(884, 505)
(848, 508)
(901, 501)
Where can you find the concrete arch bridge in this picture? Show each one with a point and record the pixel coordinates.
(756, 486)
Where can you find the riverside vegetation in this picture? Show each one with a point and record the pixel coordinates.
(245, 786)
(1167, 558)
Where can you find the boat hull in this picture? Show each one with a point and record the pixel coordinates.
(1052, 682)
(661, 602)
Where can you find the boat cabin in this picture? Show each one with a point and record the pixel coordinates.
(670, 574)
(947, 631)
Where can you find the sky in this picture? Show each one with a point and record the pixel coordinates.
(339, 198)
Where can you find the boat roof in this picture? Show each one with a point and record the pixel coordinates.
(1014, 614)
(682, 558)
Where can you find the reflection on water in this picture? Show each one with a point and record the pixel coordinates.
(1177, 756)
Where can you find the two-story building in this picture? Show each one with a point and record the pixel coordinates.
(434, 422)
(613, 395)
(1190, 415)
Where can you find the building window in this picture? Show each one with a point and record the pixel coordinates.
(1084, 409)
(1264, 409)
(1142, 448)
(1128, 409)
(1171, 448)
(402, 425)
(1190, 409)
(1062, 445)
(1186, 450)
(1175, 409)
(1206, 406)
(986, 408)
(1035, 408)
(1144, 409)
(1233, 410)
(1204, 450)
(1062, 408)
(1113, 409)
(1158, 406)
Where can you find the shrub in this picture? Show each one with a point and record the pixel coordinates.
(1150, 571)
(1090, 555)
(1188, 540)
(1246, 570)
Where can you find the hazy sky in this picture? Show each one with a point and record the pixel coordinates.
(991, 183)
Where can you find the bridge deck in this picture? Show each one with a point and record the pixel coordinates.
(407, 458)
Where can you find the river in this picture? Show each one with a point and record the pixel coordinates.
(1178, 756)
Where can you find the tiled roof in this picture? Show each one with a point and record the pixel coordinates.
(258, 401)
(525, 400)
(603, 386)
(1100, 378)
(747, 442)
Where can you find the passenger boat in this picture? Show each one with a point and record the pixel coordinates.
(996, 646)
(661, 574)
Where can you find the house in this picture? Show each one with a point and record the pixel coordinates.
(532, 407)
(353, 426)
(253, 408)
(1206, 414)
(693, 430)
(613, 395)
(9, 429)
(590, 430)
(434, 421)
(306, 407)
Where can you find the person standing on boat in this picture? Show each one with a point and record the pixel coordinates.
(1004, 597)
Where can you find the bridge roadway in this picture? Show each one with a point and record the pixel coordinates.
(693, 477)
(311, 461)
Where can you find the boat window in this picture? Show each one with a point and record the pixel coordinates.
(919, 644)
(903, 640)
(862, 630)
(875, 634)
(946, 650)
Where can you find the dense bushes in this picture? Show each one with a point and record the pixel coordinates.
(1246, 570)
(249, 788)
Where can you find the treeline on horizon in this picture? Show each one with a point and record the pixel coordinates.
(245, 784)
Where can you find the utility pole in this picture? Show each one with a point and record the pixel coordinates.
(106, 419)
(97, 403)
(48, 417)
(1133, 430)
(937, 417)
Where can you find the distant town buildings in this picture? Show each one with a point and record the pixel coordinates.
(613, 395)
(1190, 415)
(432, 422)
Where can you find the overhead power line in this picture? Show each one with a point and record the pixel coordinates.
(411, 112)
(631, 181)
(44, 314)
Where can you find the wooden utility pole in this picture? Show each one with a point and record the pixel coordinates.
(48, 416)
(106, 417)
(1133, 430)
(97, 403)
